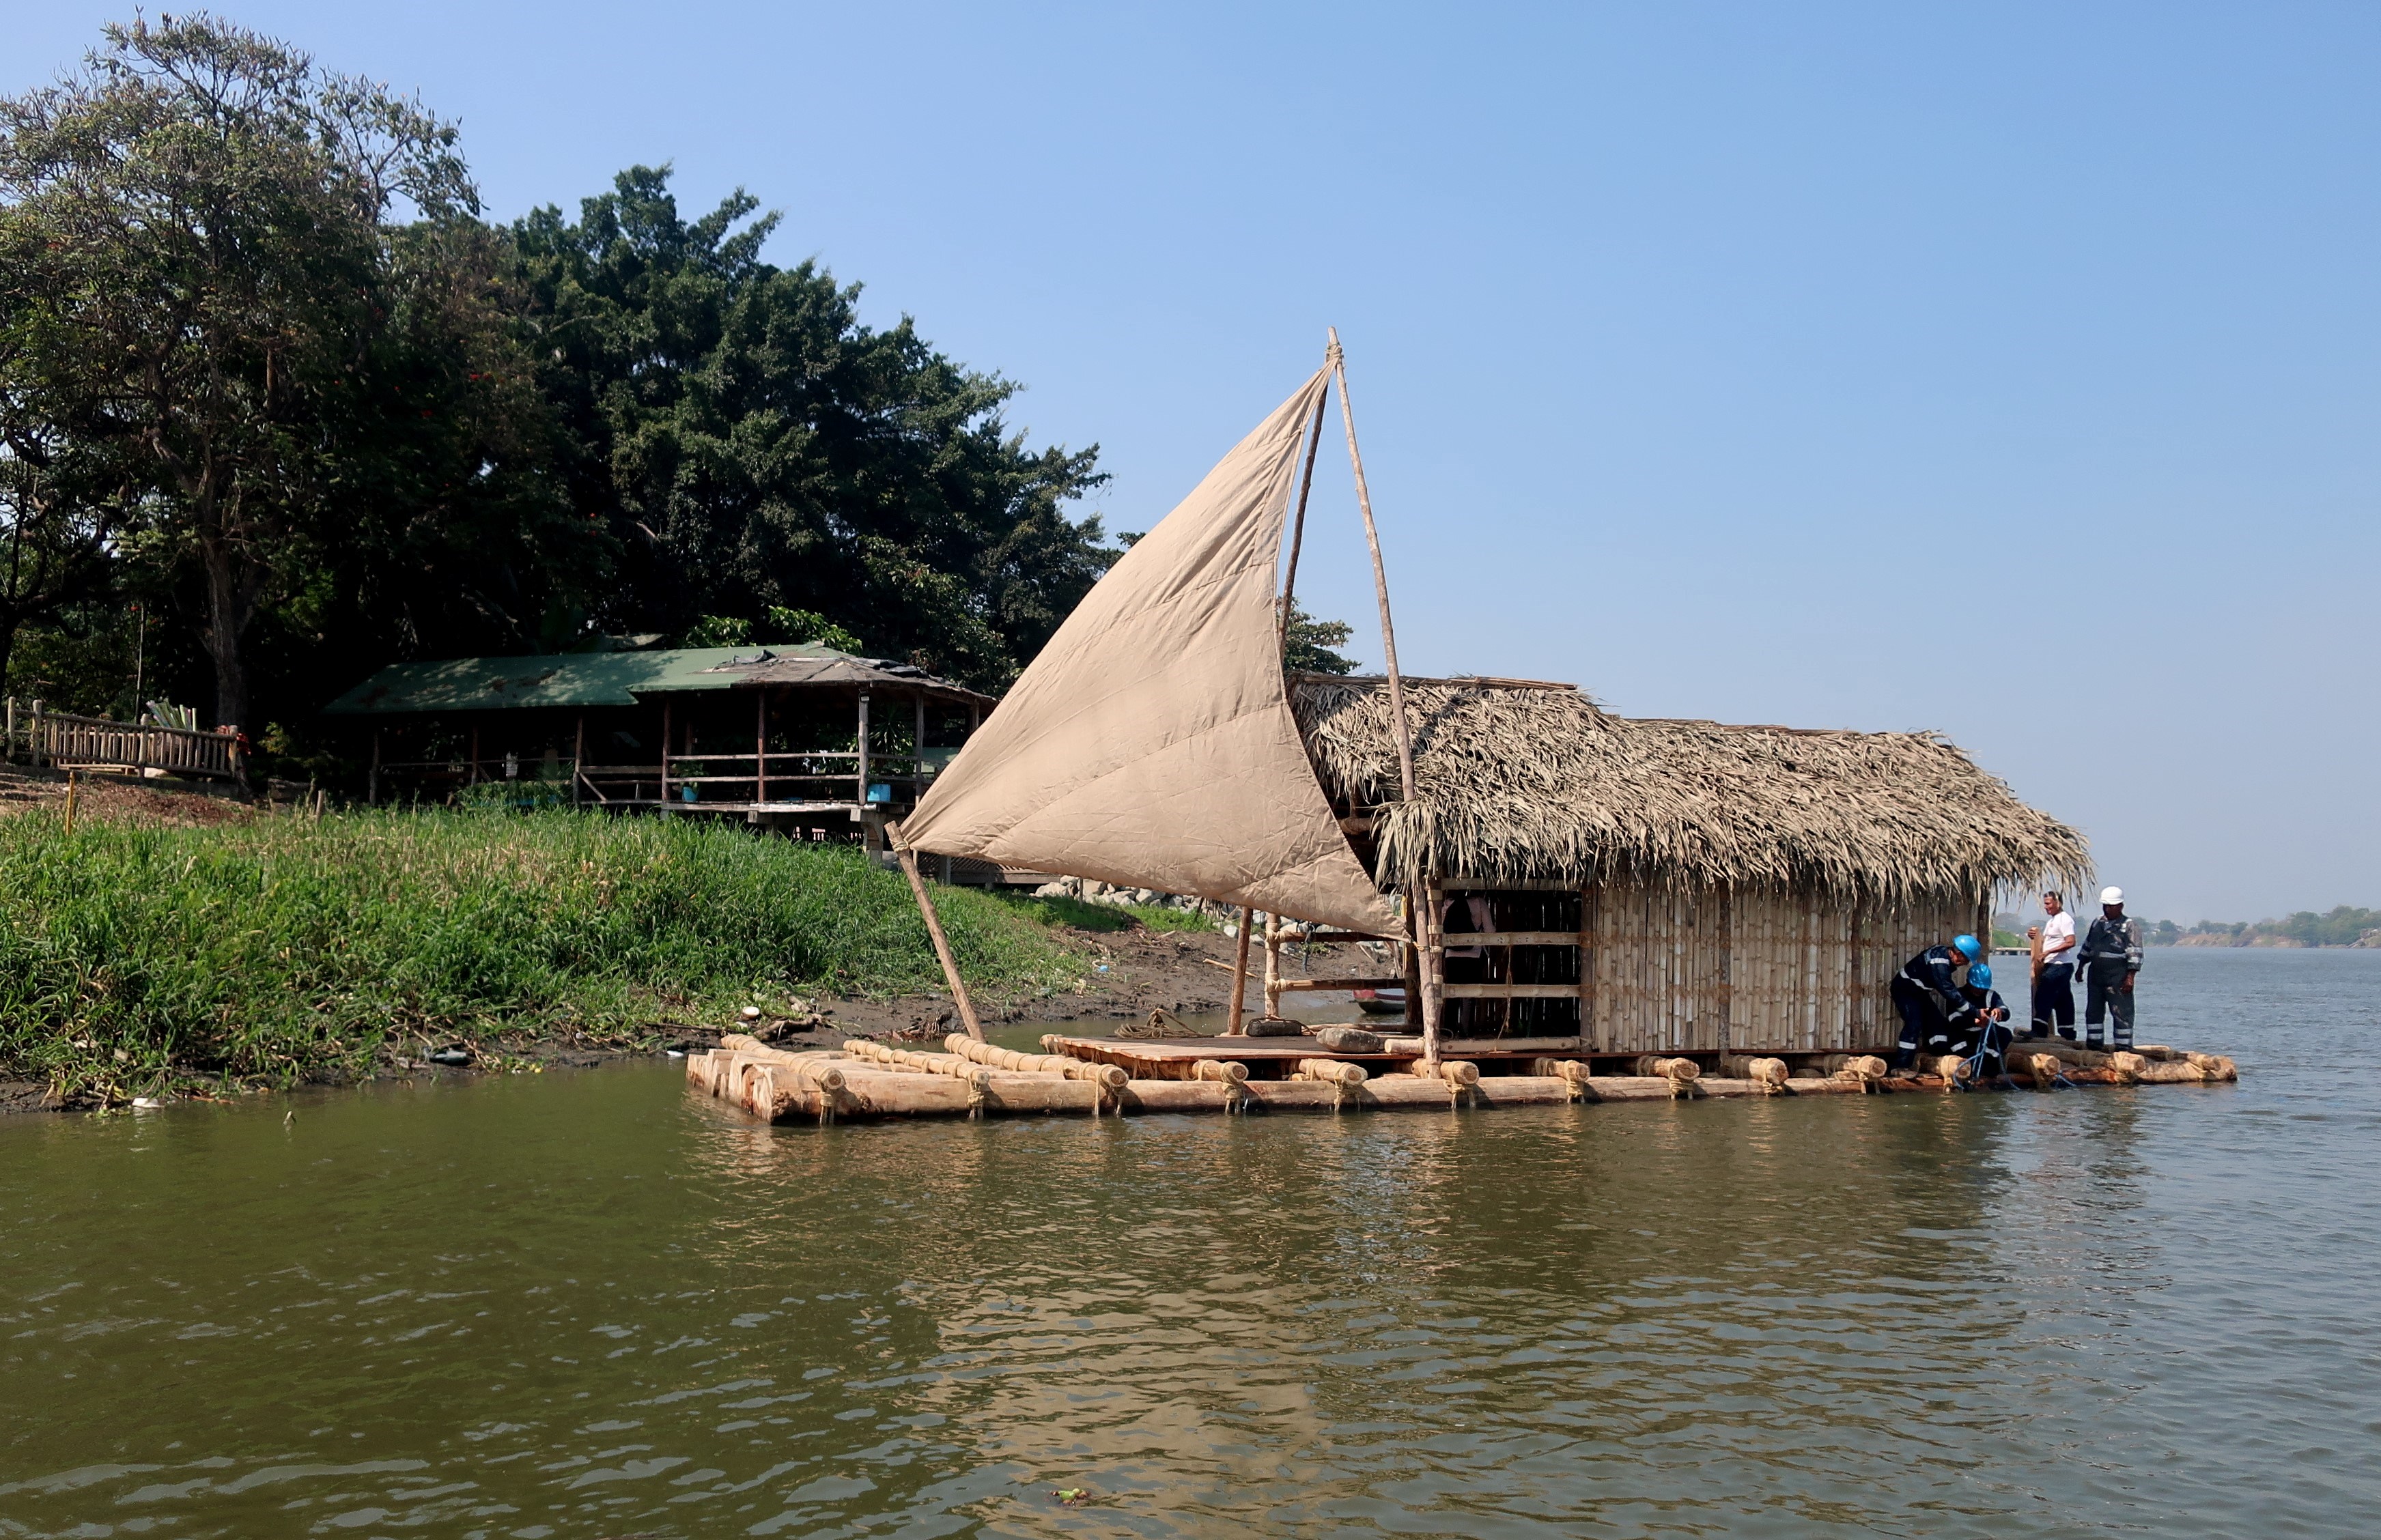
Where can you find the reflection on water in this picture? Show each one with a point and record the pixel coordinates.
(590, 1307)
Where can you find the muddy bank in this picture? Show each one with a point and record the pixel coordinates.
(1131, 974)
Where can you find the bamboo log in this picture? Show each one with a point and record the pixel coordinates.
(1828, 1085)
(1455, 1072)
(1519, 1090)
(1177, 1096)
(1066, 1065)
(908, 1096)
(1763, 1071)
(2171, 1073)
(1667, 1067)
(2220, 1067)
(1330, 1071)
(1291, 1095)
(2128, 1065)
(1397, 1091)
(1635, 1088)
(1951, 1068)
(1736, 1086)
(2043, 1069)
(1229, 1070)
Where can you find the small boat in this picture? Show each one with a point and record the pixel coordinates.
(1381, 1002)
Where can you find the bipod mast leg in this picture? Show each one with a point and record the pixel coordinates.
(909, 859)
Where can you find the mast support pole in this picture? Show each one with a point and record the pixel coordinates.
(1432, 960)
(1233, 1025)
(909, 859)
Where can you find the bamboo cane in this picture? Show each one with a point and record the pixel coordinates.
(909, 859)
(1298, 527)
(1240, 975)
(1432, 962)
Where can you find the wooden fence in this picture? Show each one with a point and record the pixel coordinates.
(66, 742)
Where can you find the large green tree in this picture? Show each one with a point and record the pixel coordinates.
(207, 272)
(751, 445)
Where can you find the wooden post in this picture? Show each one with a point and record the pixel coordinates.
(34, 747)
(1298, 528)
(9, 744)
(372, 784)
(1273, 965)
(578, 757)
(1240, 975)
(934, 929)
(70, 801)
(761, 746)
(862, 740)
(471, 776)
(1432, 959)
(665, 749)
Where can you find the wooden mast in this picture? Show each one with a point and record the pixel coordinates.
(1418, 900)
(1298, 528)
(1281, 628)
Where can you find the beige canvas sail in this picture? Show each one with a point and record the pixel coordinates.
(1151, 744)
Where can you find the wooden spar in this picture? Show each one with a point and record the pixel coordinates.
(1432, 962)
(578, 761)
(909, 859)
(665, 735)
(1240, 975)
(761, 745)
(1298, 527)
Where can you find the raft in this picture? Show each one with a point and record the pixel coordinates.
(1101, 1076)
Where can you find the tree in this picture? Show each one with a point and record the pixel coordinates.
(196, 267)
(751, 445)
(1312, 641)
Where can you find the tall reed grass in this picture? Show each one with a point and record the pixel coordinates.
(283, 949)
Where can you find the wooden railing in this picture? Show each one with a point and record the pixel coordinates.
(68, 742)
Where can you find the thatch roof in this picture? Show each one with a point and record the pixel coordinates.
(1517, 780)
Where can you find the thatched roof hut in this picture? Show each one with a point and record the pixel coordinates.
(1520, 781)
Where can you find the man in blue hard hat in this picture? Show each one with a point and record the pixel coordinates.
(1983, 1036)
(1927, 993)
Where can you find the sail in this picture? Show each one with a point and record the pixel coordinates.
(1152, 744)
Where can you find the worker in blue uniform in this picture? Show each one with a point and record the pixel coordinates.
(1926, 991)
(1985, 1035)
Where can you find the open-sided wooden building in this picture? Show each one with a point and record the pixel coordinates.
(790, 736)
(1662, 886)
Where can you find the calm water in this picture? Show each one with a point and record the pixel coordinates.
(586, 1306)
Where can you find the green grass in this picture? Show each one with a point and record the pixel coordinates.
(133, 957)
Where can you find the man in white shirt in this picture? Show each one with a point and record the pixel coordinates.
(2053, 944)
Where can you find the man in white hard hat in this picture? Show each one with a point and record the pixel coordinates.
(2110, 958)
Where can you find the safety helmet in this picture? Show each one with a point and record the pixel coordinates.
(1968, 946)
(2112, 895)
(1981, 975)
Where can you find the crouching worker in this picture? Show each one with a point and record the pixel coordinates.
(1983, 1036)
(1926, 991)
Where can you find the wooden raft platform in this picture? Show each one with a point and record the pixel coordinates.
(1097, 1076)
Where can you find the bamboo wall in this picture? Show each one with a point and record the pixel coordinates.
(1677, 971)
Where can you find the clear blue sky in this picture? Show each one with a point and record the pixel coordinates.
(2004, 369)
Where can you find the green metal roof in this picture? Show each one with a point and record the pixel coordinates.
(562, 679)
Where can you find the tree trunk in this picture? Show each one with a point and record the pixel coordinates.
(230, 604)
